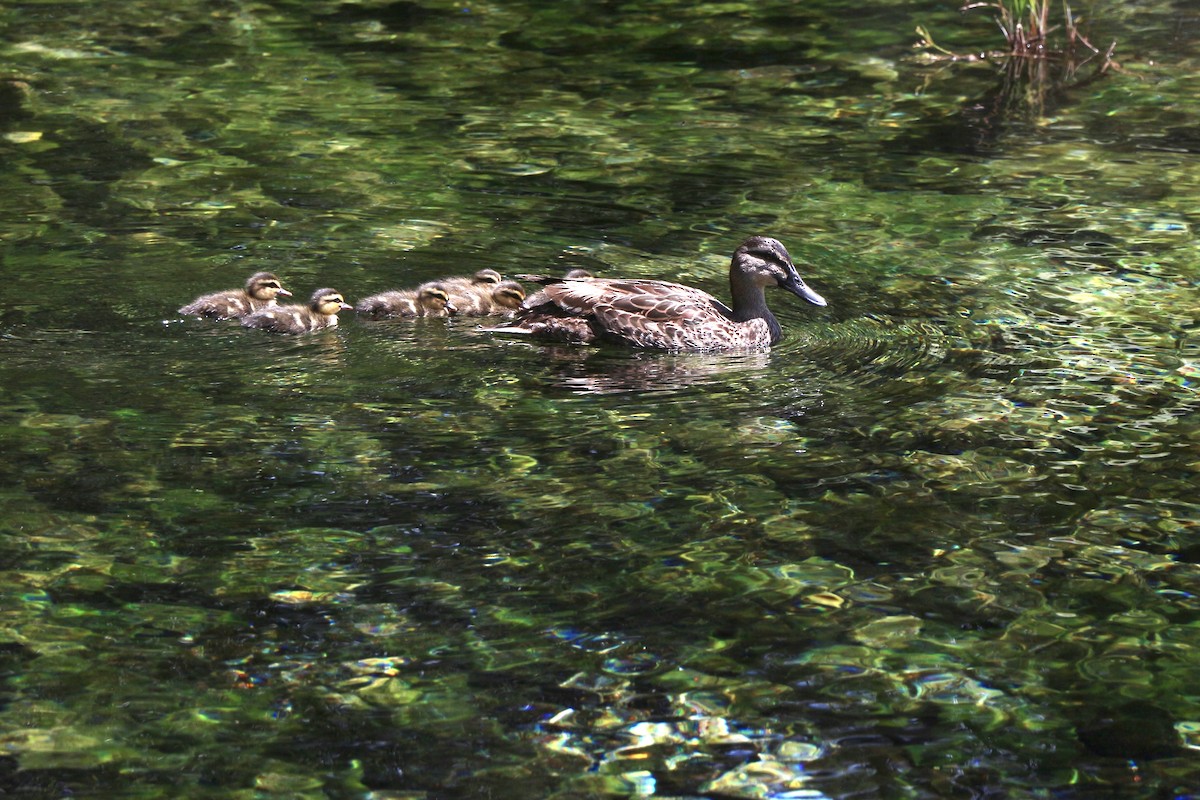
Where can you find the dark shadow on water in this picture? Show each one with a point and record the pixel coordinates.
(1023, 91)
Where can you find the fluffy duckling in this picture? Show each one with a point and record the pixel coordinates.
(472, 295)
(668, 316)
(429, 300)
(321, 312)
(260, 292)
(484, 299)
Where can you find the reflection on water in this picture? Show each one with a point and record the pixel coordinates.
(938, 542)
(589, 370)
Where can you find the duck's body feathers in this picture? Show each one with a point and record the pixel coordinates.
(642, 313)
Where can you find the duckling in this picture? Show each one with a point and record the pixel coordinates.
(321, 312)
(668, 316)
(472, 296)
(428, 300)
(479, 301)
(484, 278)
(260, 292)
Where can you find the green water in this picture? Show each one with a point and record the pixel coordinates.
(938, 543)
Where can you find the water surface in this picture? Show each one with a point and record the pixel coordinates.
(938, 543)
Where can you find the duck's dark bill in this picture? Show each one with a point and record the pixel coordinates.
(801, 290)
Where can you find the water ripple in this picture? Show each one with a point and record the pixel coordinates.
(881, 347)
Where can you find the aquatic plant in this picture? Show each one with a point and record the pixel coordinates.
(1035, 71)
(1027, 26)
(1025, 23)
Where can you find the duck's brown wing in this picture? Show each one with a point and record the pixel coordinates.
(642, 313)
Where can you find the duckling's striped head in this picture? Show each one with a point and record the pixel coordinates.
(328, 302)
(265, 286)
(486, 277)
(436, 298)
(508, 294)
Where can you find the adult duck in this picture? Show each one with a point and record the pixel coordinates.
(260, 291)
(668, 316)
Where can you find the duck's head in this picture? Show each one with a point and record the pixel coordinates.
(436, 298)
(265, 286)
(328, 302)
(486, 277)
(508, 294)
(765, 262)
(578, 273)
